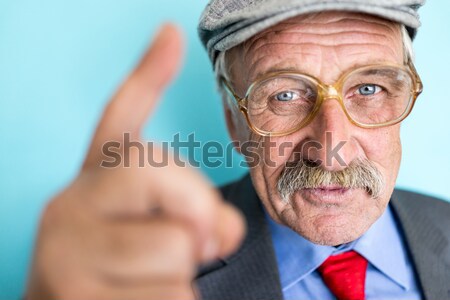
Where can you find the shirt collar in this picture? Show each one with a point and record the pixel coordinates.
(381, 245)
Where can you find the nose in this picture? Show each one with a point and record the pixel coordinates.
(330, 138)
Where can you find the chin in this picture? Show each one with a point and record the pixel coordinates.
(331, 230)
(327, 220)
(332, 235)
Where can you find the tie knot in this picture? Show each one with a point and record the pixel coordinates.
(345, 275)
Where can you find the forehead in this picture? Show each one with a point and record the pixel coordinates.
(323, 45)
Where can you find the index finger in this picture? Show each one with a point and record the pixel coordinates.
(128, 110)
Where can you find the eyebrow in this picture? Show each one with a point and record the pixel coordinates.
(302, 71)
(260, 75)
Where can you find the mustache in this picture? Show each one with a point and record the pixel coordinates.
(303, 174)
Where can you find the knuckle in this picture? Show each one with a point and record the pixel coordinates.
(52, 212)
(49, 213)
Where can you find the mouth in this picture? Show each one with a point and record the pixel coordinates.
(328, 195)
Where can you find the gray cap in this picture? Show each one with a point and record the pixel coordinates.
(227, 23)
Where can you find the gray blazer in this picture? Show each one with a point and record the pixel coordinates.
(252, 273)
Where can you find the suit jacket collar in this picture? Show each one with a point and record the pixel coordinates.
(428, 244)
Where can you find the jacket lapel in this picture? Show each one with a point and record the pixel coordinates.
(252, 272)
(423, 221)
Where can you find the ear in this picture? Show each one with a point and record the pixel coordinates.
(232, 117)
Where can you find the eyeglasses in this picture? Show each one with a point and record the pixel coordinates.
(373, 96)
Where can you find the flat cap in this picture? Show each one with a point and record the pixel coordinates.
(227, 23)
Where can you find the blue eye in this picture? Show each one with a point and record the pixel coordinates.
(368, 89)
(286, 96)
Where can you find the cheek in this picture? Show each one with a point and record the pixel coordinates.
(272, 156)
(383, 147)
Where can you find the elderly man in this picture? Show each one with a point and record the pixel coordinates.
(320, 87)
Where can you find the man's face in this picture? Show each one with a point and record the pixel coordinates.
(325, 46)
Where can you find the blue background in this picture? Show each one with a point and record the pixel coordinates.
(60, 61)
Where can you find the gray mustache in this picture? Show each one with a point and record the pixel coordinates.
(360, 174)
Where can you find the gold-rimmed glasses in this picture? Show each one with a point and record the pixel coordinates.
(281, 103)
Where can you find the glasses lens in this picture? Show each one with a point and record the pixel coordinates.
(281, 103)
(377, 95)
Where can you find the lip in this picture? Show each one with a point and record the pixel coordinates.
(330, 187)
(333, 194)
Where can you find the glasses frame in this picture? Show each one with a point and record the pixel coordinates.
(326, 92)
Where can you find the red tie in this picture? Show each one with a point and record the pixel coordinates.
(345, 275)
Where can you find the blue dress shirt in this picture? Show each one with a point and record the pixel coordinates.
(390, 273)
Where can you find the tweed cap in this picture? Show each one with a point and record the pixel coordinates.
(227, 23)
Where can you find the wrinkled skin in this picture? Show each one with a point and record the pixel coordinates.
(324, 45)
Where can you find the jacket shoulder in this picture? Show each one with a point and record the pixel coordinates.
(435, 209)
(240, 188)
(421, 201)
